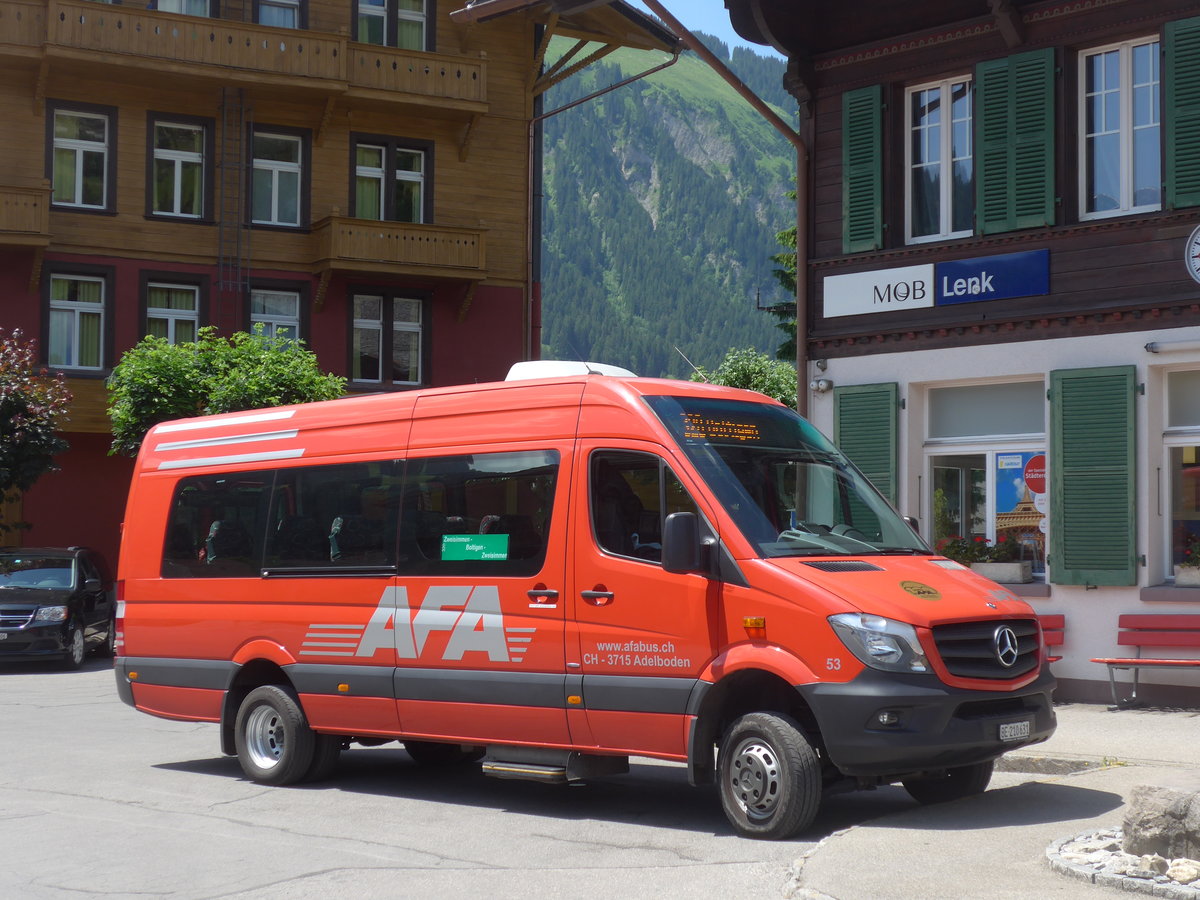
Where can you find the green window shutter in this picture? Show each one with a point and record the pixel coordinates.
(864, 428)
(1093, 525)
(862, 169)
(1181, 113)
(1014, 133)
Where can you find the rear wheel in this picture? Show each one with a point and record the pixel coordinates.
(76, 649)
(432, 753)
(770, 776)
(950, 784)
(274, 743)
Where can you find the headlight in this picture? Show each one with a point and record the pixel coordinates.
(881, 643)
(51, 614)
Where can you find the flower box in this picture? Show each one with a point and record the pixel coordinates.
(1019, 571)
(1187, 576)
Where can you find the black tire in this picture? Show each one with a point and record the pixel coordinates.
(274, 743)
(76, 649)
(326, 750)
(769, 776)
(107, 648)
(433, 753)
(950, 784)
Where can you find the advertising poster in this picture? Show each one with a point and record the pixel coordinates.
(1022, 503)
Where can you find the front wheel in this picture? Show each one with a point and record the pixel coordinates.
(76, 649)
(274, 743)
(950, 784)
(770, 776)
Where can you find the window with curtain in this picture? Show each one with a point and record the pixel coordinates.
(80, 166)
(172, 312)
(392, 23)
(178, 169)
(389, 182)
(388, 340)
(1183, 464)
(76, 321)
(1119, 129)
(278, 311)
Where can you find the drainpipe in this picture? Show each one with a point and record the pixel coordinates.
(534, 176)
(694, 44)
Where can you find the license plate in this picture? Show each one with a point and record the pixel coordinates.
(1014, 731)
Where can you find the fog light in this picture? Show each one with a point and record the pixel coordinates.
(887, 718)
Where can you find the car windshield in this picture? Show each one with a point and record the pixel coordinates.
(32, 571)
(787, 488)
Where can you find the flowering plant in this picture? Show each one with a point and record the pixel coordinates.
(978, 549)
(1191, 552)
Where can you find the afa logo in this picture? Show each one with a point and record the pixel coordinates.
(471, 614)
(924, 591)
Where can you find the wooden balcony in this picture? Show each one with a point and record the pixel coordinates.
(398, 248)
(24, 216)
(232, 52)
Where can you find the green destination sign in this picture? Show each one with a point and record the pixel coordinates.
(474, 546)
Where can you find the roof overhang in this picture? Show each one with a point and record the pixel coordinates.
(610, 22)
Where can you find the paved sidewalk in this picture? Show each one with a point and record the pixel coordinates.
(994, 846)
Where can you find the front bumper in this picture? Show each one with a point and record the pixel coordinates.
(33, 642)
(937, 726)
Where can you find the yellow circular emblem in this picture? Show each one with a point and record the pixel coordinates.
(924, 591)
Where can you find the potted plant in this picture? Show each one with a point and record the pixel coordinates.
(1000, 561)
(1187, 572)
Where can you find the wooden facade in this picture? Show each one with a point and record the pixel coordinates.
(465, 101)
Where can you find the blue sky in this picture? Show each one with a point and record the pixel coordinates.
(709, 16)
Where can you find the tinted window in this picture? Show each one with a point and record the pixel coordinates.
(216, 526)
(480, 514)
(334, 516)
(631, 496)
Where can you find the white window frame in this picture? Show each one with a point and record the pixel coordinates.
(375, 173)
(1174, 437)
(273, 322)
(173, 316)
(417, 178)
(410, 328)
(946, 158)
(411, 15)
(364, 10)
(375, 325)
(79, 148)
(70, 359)
(292, 5)
(1125, 127)
(179, 158)
(181, 7)
(275, 168)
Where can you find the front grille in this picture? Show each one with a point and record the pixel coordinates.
(850, 565)
(969, 649)
(16, 616)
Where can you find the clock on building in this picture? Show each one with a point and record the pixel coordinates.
(1191, 254)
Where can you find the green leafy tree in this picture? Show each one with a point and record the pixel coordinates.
(33, 406)
(786, 276)
(754, 371)
(156, 380)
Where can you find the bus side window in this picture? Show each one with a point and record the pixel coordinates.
(216, 526)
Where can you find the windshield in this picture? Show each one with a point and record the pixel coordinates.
(788, 489)
(49, 572)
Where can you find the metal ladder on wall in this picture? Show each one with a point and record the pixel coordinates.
(233, 233)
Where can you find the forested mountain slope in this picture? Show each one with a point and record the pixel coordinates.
(662, 201)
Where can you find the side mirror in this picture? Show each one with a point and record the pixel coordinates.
(91, 585)
(913, 523)
(681, 543)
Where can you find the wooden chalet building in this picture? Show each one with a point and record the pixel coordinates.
(1003, 283)
(356, 173)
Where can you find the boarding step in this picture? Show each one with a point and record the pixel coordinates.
(551, 766)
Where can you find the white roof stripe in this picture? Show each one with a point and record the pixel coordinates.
(230, 460)
(228, 439)
(223, 421)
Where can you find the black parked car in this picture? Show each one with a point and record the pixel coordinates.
(55, 604)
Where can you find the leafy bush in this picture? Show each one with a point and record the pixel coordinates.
(156, 381)
(754, 371)
(979, 549)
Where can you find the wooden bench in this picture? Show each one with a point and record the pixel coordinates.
(1053, 627)
(1152, 631)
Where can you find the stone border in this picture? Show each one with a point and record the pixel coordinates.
(1153, 886)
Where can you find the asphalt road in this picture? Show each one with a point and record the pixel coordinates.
(99, 800)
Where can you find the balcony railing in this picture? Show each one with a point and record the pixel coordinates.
(399, 248)
(224, 49)
(24, 216)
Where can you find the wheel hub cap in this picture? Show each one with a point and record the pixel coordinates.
(756, 778)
